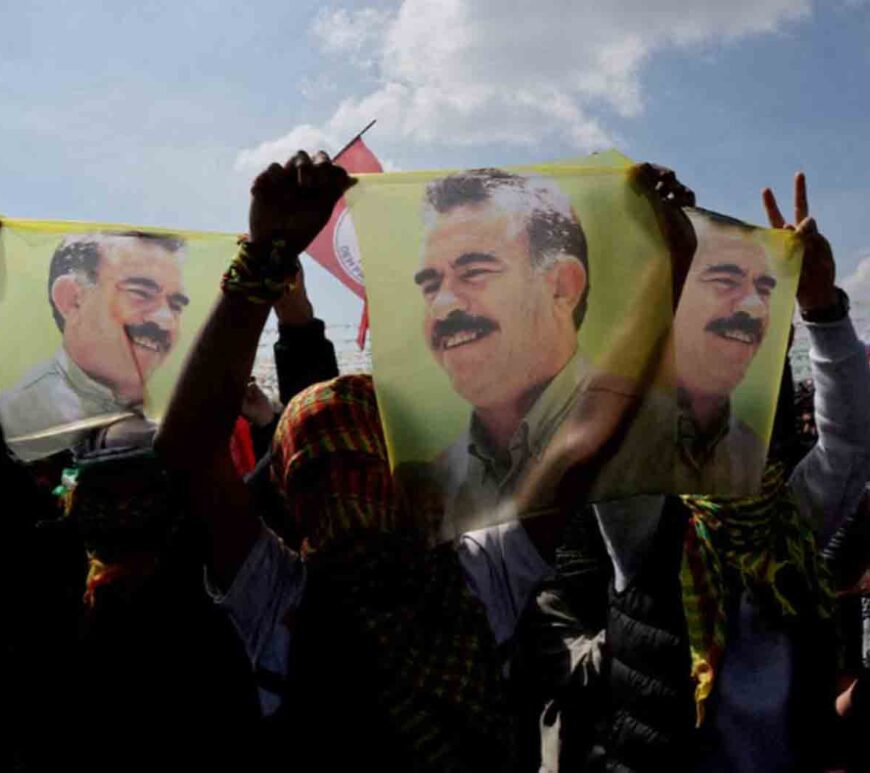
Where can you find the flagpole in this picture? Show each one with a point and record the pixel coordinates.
(369, 126)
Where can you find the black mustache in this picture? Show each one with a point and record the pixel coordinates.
(152, 331)
(460, 322)
(740, 322)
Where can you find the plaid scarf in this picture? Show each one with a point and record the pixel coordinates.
(435, 664)
(758, 544)
(329, 456)
(438, 677)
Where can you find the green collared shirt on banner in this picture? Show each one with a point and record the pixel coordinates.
(476, 479)
(56, 394)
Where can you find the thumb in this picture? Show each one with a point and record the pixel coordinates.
(807, 227)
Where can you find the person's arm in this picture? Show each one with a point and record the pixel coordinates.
(262, 417)
(830, 480)
(303, 353)
(289, 206)
(582, 444)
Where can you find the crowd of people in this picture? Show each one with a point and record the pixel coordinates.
(244, 588)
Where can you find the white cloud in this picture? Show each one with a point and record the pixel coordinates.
(858, 283)
(858, 287)
(316, 86)
(304, 136)
(484, 71)
(356, 33)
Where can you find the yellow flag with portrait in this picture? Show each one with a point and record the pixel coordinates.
(524, 325)
(96, 320)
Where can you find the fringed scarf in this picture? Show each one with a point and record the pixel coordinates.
(758, 544)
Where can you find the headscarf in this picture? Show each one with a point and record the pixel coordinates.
(118, 497)
(409, 614)
(329, 455)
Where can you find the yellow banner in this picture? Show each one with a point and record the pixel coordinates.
(510, 308)
(517, 316)
(96, 321)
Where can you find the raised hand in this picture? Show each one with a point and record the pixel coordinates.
(816, 286)
(665, 183)
(257, 408)
(293, 202)
(672, 195)
(294, 307)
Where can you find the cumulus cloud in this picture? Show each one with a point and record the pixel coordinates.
(483, 71)
(356, 33)
(858, 284)
(303, 136)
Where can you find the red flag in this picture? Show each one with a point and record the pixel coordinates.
(336, 247)
(363, 326)
(242, 447)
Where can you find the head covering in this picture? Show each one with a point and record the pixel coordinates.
(329, 460)
(758, 544)
(404, 611)
(118, 497)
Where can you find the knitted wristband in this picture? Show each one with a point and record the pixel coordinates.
(260, 272)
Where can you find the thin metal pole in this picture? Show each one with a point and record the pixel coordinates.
(337, 155)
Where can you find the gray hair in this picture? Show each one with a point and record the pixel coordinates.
(552, 227)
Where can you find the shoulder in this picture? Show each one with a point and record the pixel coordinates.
(45, 376)
(505, 550)
(454, 459)
(40, 399)
(502, 569)
(450, 468)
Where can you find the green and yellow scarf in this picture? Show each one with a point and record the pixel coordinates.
(758, 544)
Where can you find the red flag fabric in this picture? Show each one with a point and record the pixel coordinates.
(242, 447)
(336, 247)
(363, 326)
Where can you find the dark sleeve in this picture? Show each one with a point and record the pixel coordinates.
(303, 356)
(847, 551)
(261, 437)
(861, 699)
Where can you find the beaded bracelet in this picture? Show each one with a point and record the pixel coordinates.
(260, 272)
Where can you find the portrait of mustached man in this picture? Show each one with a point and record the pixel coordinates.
(720, 323)
(117, 300)
(505, 281)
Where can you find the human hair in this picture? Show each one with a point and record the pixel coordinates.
(552, 227)
(79, 254)
(706, 223)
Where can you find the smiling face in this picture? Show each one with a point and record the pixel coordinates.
(723, 313)
(497, 325)
(122, 327)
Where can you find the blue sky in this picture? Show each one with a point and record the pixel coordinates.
(159, 113)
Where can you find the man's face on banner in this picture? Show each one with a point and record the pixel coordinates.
(123, 326)
(489, 312)
(723, 313)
